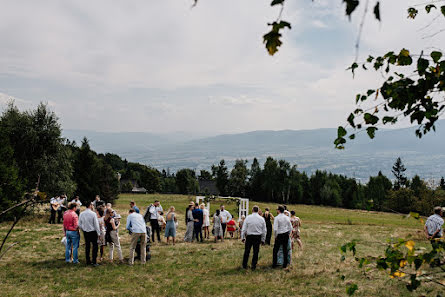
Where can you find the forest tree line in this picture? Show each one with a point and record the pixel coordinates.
(32, 150)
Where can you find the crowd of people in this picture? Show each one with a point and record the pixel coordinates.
(100, 223)
(100, 226)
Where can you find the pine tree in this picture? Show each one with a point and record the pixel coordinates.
(398, 170)
(442, 183)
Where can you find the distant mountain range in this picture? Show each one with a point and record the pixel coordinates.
(309, 149)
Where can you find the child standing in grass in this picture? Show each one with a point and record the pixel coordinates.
(231, 227)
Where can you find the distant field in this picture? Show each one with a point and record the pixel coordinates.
(35, 267)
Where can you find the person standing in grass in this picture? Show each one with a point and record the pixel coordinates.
(225, 218)
(206, 223)
(153, 212)
(79, 204)
(231, 227)
(198, 218)
(217, 226)
(253, 234)
(89, 224)
(136, 226)
(170, 227)
(189, 223)
(434, 223)
(111, 235)
(282, 228)
(71, 229)
(268, 217)
(296, 224)
(101, 239)
(240, 224)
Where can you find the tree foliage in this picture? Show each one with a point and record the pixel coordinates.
(398, 169)
(38, 150)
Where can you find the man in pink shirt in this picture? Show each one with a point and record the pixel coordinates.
(71, 229)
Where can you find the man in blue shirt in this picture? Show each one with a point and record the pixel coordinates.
(133, 205)
(198, 218)
(138, 230)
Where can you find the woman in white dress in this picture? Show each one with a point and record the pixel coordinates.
(206, 221)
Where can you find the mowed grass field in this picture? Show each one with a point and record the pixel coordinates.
(36, 267)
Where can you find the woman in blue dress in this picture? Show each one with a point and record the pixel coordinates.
(170, 227)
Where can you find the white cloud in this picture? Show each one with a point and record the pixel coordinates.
(162, 66)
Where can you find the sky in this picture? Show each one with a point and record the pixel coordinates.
(163, 66)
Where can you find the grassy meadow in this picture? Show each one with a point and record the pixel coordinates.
(36, 267)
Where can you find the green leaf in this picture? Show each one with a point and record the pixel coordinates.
(414, 215)
(352, 136)
(377, 10)
(351, 5)
(371, 131)
(351, 120)
(388, 119)
(370, 58)
(436, 56)
(370, 92)
(352, 68)
(276, 2)
(429, 7)
(404, 58)
(412, 12)
(422, 65)
(272, 38)
(341, 132)
(350, 290)
(442, 9)
(370, 119)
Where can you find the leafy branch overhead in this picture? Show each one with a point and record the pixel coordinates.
(402, 260)
(418, 95)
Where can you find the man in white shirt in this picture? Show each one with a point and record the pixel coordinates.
(61, 201)
(225, 218)
(153, 212)
(89, 224)
(79, 204)
(138, 230)
(282, 228)
(253, 233)
(53, 209)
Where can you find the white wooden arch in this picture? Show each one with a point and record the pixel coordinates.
(243, 204)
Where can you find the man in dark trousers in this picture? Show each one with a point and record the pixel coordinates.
(282, 228)
(253, 234)
(198, 219)
(89, 224)
(152, 213)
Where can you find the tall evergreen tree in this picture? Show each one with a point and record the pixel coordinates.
(238, 179)
(221, 176)
(398, 170)
(442, 183)
(186, 181)
(255, 181)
